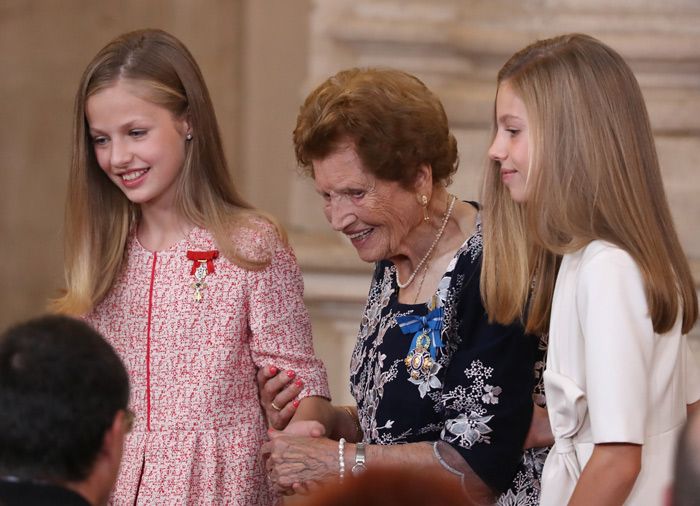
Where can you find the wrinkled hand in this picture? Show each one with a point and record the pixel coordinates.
(282, 388)
(295, 463)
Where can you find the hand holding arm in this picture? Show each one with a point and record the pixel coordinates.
(278, 392)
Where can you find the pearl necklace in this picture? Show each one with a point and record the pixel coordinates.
(430, 250)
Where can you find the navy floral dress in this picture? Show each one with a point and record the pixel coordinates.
(440, 371)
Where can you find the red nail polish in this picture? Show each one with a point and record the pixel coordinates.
(298, 383)
(273, 369)
(291, 374)
(296, 403)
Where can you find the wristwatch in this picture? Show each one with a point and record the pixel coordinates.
(359, 466)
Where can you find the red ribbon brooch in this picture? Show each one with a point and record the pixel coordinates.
(202, 265)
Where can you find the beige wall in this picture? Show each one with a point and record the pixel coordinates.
(274, 69)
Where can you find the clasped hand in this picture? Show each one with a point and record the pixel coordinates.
(297, 458)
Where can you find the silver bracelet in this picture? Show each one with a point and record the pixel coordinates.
(359, 466)
(341, 458)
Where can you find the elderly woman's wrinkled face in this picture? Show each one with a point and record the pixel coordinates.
(375, 215)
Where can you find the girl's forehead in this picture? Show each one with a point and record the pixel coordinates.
(120, 105)
(138, 88)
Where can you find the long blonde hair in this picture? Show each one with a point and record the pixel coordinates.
(594, 175)
(99, 217)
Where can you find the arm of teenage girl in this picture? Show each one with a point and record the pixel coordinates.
(619, 344)
(281, 332)
(609, 475)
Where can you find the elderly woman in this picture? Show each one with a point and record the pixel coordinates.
(435, 382)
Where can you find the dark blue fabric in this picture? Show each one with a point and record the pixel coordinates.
(479, 398)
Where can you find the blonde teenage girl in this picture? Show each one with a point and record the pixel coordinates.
(576, 215)
(193, 288)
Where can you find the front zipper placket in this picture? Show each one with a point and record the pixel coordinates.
(148, 343)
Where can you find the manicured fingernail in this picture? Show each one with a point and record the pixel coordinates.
(296, 403)
(291, 374)
(298, 383)
(273, 369)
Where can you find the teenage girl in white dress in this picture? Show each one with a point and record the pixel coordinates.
(575, 212)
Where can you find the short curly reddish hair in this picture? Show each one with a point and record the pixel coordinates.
(395, 122)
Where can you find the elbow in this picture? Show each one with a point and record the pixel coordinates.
(628, 468)
(630, 471)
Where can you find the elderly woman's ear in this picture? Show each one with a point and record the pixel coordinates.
(423, 183)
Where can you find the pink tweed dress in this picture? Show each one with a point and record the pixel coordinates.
(192, 366)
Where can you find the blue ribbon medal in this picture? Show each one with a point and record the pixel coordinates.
(426, 340)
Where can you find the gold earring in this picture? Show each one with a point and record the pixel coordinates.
(424, 202)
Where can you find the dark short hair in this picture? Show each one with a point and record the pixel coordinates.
(686, 482)
(395, 122)
(61, 386)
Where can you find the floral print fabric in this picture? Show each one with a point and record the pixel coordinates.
(477, 393)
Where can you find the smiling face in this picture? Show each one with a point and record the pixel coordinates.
(375, 215)
(138, 144)
(510, 146)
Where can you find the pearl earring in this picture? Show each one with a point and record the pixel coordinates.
(424, 202)
(188, 136)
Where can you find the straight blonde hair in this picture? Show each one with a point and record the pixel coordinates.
(98, 216)
(594, 174)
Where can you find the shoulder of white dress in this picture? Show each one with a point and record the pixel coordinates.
(600, 250)
(603, 261)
